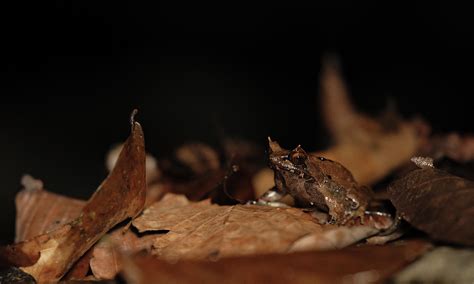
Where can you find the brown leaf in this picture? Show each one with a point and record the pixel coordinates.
(153, 172)
(367, 264)
(199, 157)
(460, 169)
(200, 187)
(120, 196)
(106, 262)
(202, 230)
(80, 269)
(437, 203)
(452, 145)
(441, 265)
(39, 211)
(368, 148)
(23, 256)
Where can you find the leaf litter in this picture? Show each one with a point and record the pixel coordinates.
(138, 222)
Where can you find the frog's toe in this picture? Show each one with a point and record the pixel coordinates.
(321, 217)
(277, 204)
(264, 202)
(332, 221)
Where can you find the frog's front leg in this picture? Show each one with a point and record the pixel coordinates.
(338, 206)
(340, 214)
(271, 198)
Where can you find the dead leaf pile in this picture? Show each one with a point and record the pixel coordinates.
(206, 231)
(185, 218)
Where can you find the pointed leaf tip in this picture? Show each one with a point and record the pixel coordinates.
(132, 117)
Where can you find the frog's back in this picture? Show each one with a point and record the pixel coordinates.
(342, 176)
(335, 171)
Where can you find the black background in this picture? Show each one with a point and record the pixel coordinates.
(72, 72)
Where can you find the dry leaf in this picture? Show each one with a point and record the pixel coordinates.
(452, 145)
(200, 171)
(460, 169)
(39, 211)
(202, 230)
(120, 196)
(106, 262)
(200, 187)
(245, 160)
(199, 157)
(153, 173)
(191, 161)
(362, 144)
(440, 204)
(80, 269)
(441, 265)
(369, 264)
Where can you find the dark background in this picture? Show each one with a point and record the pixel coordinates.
(72, 72)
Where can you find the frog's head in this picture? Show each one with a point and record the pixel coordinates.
(287, 162)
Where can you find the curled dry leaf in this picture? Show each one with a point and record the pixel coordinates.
(201, 230)
(235, 188)
(153, 173)
(438, 203)
(120, 196)
(369, 264)
(155, 189)
(224, 174)
(40, 211)
(194, 170)
(200, 187)
(191, 161)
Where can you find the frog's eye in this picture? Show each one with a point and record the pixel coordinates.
(297, 157)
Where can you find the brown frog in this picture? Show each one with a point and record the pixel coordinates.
(316, 182)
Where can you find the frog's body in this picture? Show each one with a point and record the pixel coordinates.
(316, 181)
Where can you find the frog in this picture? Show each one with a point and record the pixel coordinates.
(316, 182)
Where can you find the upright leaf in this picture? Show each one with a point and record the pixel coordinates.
(120, 196)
